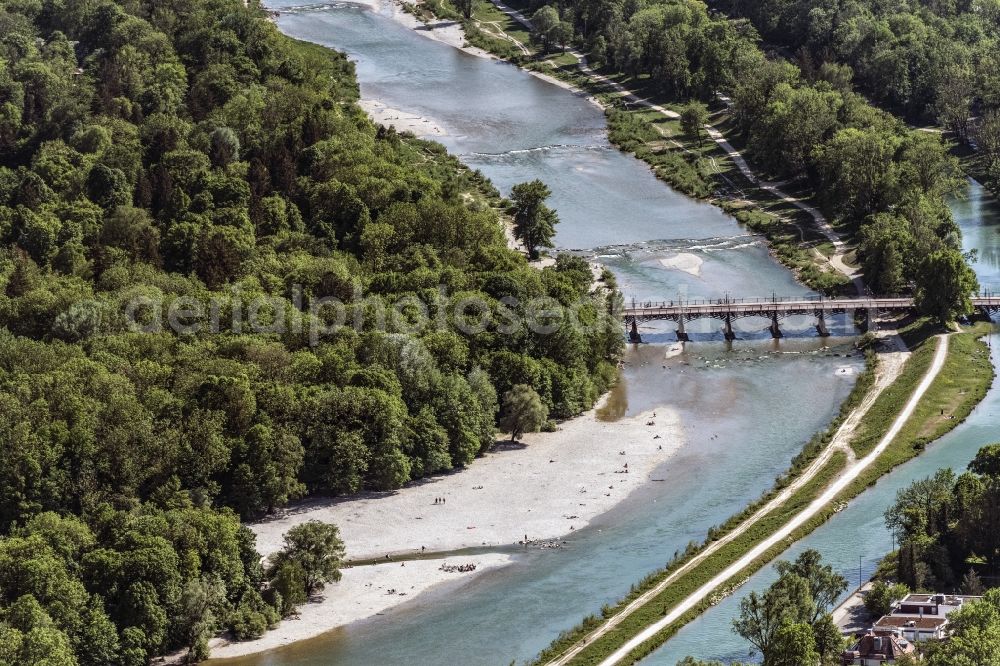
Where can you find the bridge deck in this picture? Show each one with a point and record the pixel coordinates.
(770, 306)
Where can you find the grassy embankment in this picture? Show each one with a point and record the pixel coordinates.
(701, 574)
(975, 166)
(962, 383)
(698, 167)
(488, 28)
(701, 169)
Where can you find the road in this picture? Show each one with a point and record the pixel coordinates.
(851, 617)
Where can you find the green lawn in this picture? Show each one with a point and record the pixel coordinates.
(486, 12)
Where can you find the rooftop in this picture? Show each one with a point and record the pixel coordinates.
(910, 621)
(943, 599)
(880, 645)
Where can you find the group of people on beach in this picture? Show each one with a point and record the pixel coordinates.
(439, 500)
(458, 568)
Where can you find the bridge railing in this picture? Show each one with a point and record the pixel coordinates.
(991, 301)
(985, 298)
(810, 301)
(646, 304)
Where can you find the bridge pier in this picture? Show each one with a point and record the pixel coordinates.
(682, 335)
(821, 328)
(633, 334)
(727, 329)
(863, 320)
(775, 331)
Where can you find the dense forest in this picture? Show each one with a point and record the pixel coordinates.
(882, 182)
(930, 60)
(184, 155)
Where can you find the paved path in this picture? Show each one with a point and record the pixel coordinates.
(851, 617)
(804, 516)
(822, 224)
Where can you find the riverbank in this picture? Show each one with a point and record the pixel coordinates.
(561, 482)
(401, 121)
(798, 235)
(445, 30)
(454, 33)
(361, 593)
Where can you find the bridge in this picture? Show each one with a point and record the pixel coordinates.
(774, 308)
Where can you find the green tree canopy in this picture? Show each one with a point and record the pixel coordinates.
(523, 411)
(879, 599)
(534, 222)
(694, 117)
(317, 549)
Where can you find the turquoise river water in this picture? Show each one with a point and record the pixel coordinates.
(747, 408)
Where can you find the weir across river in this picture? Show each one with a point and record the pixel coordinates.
(775, 308)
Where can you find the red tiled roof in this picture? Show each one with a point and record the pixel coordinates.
(873, 646)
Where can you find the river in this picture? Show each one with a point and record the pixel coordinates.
(747, 408)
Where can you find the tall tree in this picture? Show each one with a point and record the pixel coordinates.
(793, 645)
(975, 637)
(987, 461)
(523, 411)
(763, 618)
(825, 584)
(879, 599)
(316, 547)
(199, 601)
(465, 6)
(972, 584)
(545, 26)
(945, 283)
(694, 117)
(534, 221)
